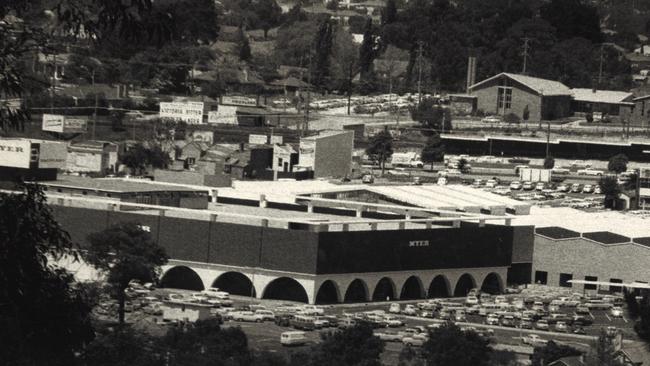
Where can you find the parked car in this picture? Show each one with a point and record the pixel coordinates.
(266, 314)
(534, 340)
(410, 310)
(293, 338)
(576, 188)
(416, 340)
(508, 321)
(616, 312)
(588, 188)
(247, 316)
(492, 119)
(527, 186)
(389, 336)
(540, 186)
(597, 189)
(515, 186)
(471, 300)
(590, 171)
(491, 183)
(561, 326)
(542, 324)
(367, 179)
(562, 187)
(492, 319)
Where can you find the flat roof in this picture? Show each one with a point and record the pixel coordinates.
(601, 96)
(117, 185)
(624, 224)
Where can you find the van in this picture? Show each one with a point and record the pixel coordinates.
(293, 338)
(303, 322)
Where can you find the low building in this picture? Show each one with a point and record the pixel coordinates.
(514, 93)
(250, 163)
(615, 105)
(641, 111)
(192, 152)
(185, 311)
(92, 157)
(30, 160)
(644, 189)
(130, 190)
(328, 154)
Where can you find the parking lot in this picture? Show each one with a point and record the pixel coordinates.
(406, 322)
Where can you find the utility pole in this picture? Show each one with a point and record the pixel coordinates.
(306, 123)
(96, 102)
(526, 40)
(53, 86)
(420, 44)
(548, 138)
(600, 71)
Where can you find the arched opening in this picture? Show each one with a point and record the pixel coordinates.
(181, 277)
(465, 283)
(357, 292)
(384, 291)
(492, 284)
(235, 283)
(285, 288)
(328, 293)
(439, 287)
(412, 289)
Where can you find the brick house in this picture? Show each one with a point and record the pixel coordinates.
(511, 93)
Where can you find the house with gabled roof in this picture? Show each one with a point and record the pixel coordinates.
(507, 93)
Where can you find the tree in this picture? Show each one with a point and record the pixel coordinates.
(552, 352)
(380, 148)
(122, 346)
(433, 151)
(354, 346)
(389, 14)
(368, 51)
(526, 114)
(511, 118)
(433, 117)
(618, 163)
(573, 18)
(269, 13)
(602, 354)
(125, 252)
(632, 303)
(462, 165)
(345, 62)
(610, 188)
(244, 45)
(642, 325)
(449, 345)
(323, 50)
(332, 5)
(44, 314)
(549, 162)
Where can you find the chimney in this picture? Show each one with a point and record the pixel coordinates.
(471, 72)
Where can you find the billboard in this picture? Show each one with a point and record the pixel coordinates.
(224, 114)
(189, 112)
(16, 153)
(257, 139)
(276, 139)
(52, 155)
(63, 124)
(535, 175)
(307, 155)
(239, 100)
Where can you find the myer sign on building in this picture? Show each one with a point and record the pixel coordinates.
(15, 153)
(64, 124)
(190, 112)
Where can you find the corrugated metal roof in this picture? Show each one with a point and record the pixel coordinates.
(601, 96)
(543, 87)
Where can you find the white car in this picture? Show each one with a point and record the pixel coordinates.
(588, 188)
(515, 186)
(410, 310)
(617, 312)
(389, 336)
(393, 321)
(215, 292)
(471, 300)
(590, 171)
(247, 316)
(534, 340)
(266, 314)
(312, 310)
(394, 308)
(175, 297)
(199, 297)
(491, 183)
(562, 188)
(416, 340)
(539, 186)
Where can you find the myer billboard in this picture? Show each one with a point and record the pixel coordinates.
(63, 124)
(15, 153)
(190, 112)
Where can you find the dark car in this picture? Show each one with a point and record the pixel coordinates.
(283, 320)
(582, 320)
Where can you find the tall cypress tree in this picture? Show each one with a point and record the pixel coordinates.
(323, 50)
(368, 50)
(389, 15)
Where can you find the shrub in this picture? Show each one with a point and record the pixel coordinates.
(512, 118)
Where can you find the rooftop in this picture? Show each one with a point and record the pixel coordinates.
(117, 185)
(601, 96)
(543, 87)
(622, 224)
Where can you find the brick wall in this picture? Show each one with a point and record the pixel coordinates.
(487, 101)
(582, 257)
(333, 155)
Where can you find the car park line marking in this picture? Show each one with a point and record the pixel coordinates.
(608, 318)
(624, 319)
(592, 316)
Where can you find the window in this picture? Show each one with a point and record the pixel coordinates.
(565, 278)
(615, 288)
(642, 107)
(541, 277)
(280, 162)
(84, 193)
(504, 97)
(591, 287)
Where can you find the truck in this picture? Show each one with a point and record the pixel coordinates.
(406, 159)
(534, 175)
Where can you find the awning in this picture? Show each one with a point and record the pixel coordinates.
(638, 285)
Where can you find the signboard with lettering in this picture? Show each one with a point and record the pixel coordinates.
(257, 139)
(418, 243)
(64, 124)
(74, 125)
(203, 136)
(239, 100)
(15, 153)
(52, 155)
(224, 114)
(190, 112)
(53, 122)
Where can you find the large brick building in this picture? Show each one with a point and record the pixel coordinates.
(512, 93)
